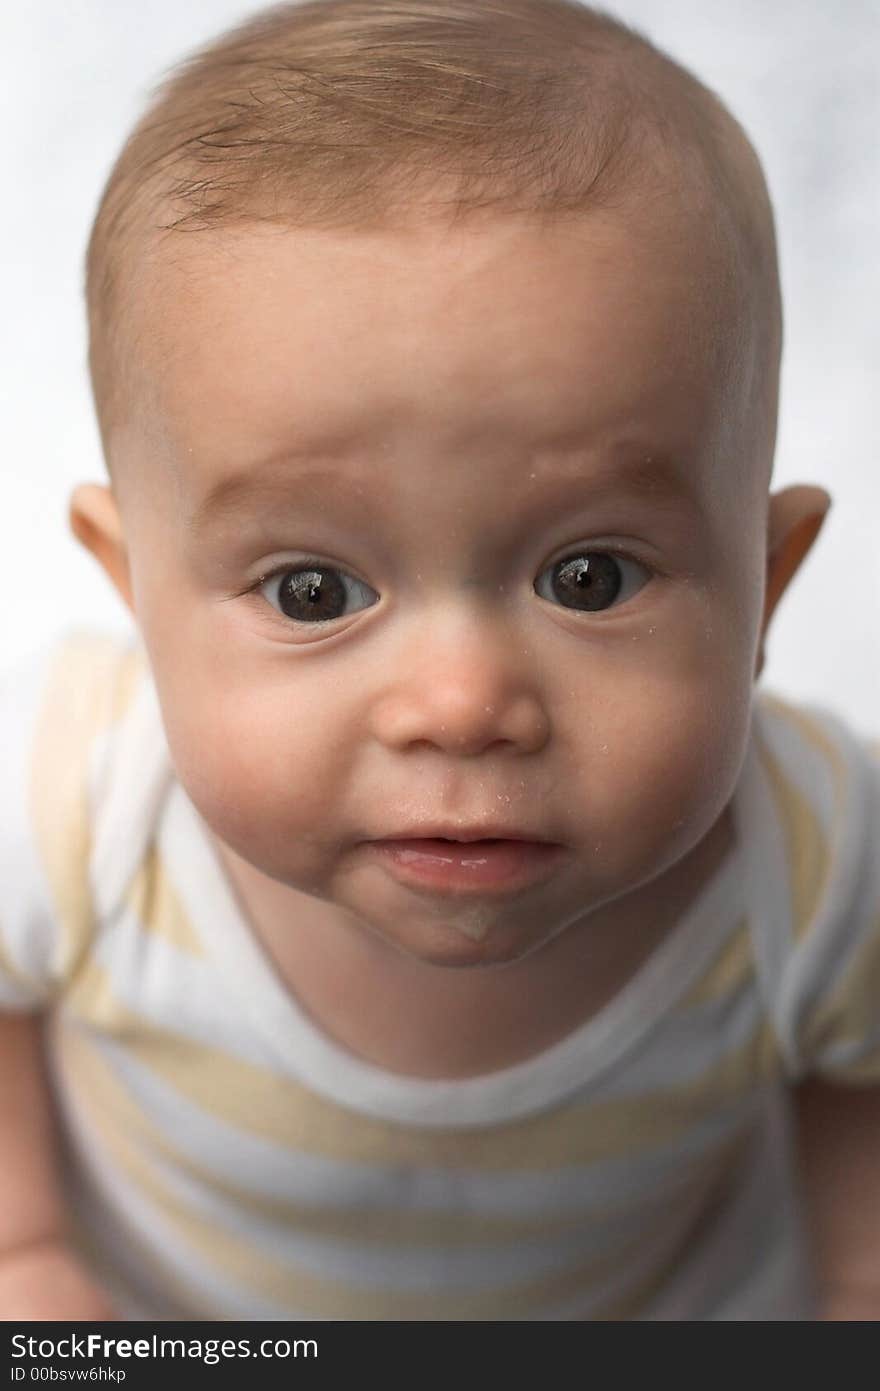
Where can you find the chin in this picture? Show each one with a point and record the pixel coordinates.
(466, 942)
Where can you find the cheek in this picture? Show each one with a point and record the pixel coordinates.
(265, 769)
(659, 765)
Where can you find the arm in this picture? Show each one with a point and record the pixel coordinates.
(838, 1130)
(40, 1278)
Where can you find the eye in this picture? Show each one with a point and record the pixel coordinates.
(590, 581)
(314, 593)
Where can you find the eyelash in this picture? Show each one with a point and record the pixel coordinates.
(312, 562)
(308, 563)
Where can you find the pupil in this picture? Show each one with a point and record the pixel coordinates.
(588, 583)
(312, 596)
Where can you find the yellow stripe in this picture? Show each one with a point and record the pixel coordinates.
(90, 685)
(154, 901)
(807, 851)
(631, 1303)
(852, 1012)
(279, 1109)
(399, 1226)
(732, 968)
(859, 1071)
(287, 1285)
(130, 669)
(12, 971)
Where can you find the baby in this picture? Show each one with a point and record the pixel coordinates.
(426, 916)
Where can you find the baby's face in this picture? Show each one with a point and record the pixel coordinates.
(446, 533)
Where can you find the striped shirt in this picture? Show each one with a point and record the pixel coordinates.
(227, 1160)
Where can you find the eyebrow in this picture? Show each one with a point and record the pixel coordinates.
(265, 486)
(646, 476)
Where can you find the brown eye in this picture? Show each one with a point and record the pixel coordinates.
(317, 593)
(589, 582)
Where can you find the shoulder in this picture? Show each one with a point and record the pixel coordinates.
(59, 707)
(822, 780)
(90, 681)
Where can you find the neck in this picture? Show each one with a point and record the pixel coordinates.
(423, 1020)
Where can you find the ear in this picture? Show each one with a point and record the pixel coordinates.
(95, 521)
(794, 521)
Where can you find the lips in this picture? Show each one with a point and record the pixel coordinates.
(468, 863)
(465, 835)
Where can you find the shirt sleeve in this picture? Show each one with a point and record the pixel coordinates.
(58, 708)
(829, 999)
(28, 925)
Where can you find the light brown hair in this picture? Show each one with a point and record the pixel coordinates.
(349, 113)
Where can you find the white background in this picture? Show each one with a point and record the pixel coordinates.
(801, 76)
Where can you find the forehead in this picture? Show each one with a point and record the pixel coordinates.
(267, 340)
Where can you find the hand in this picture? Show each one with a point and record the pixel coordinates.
(47, 1281)
(851, 1306)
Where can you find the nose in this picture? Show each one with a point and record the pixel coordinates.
(461, 692)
